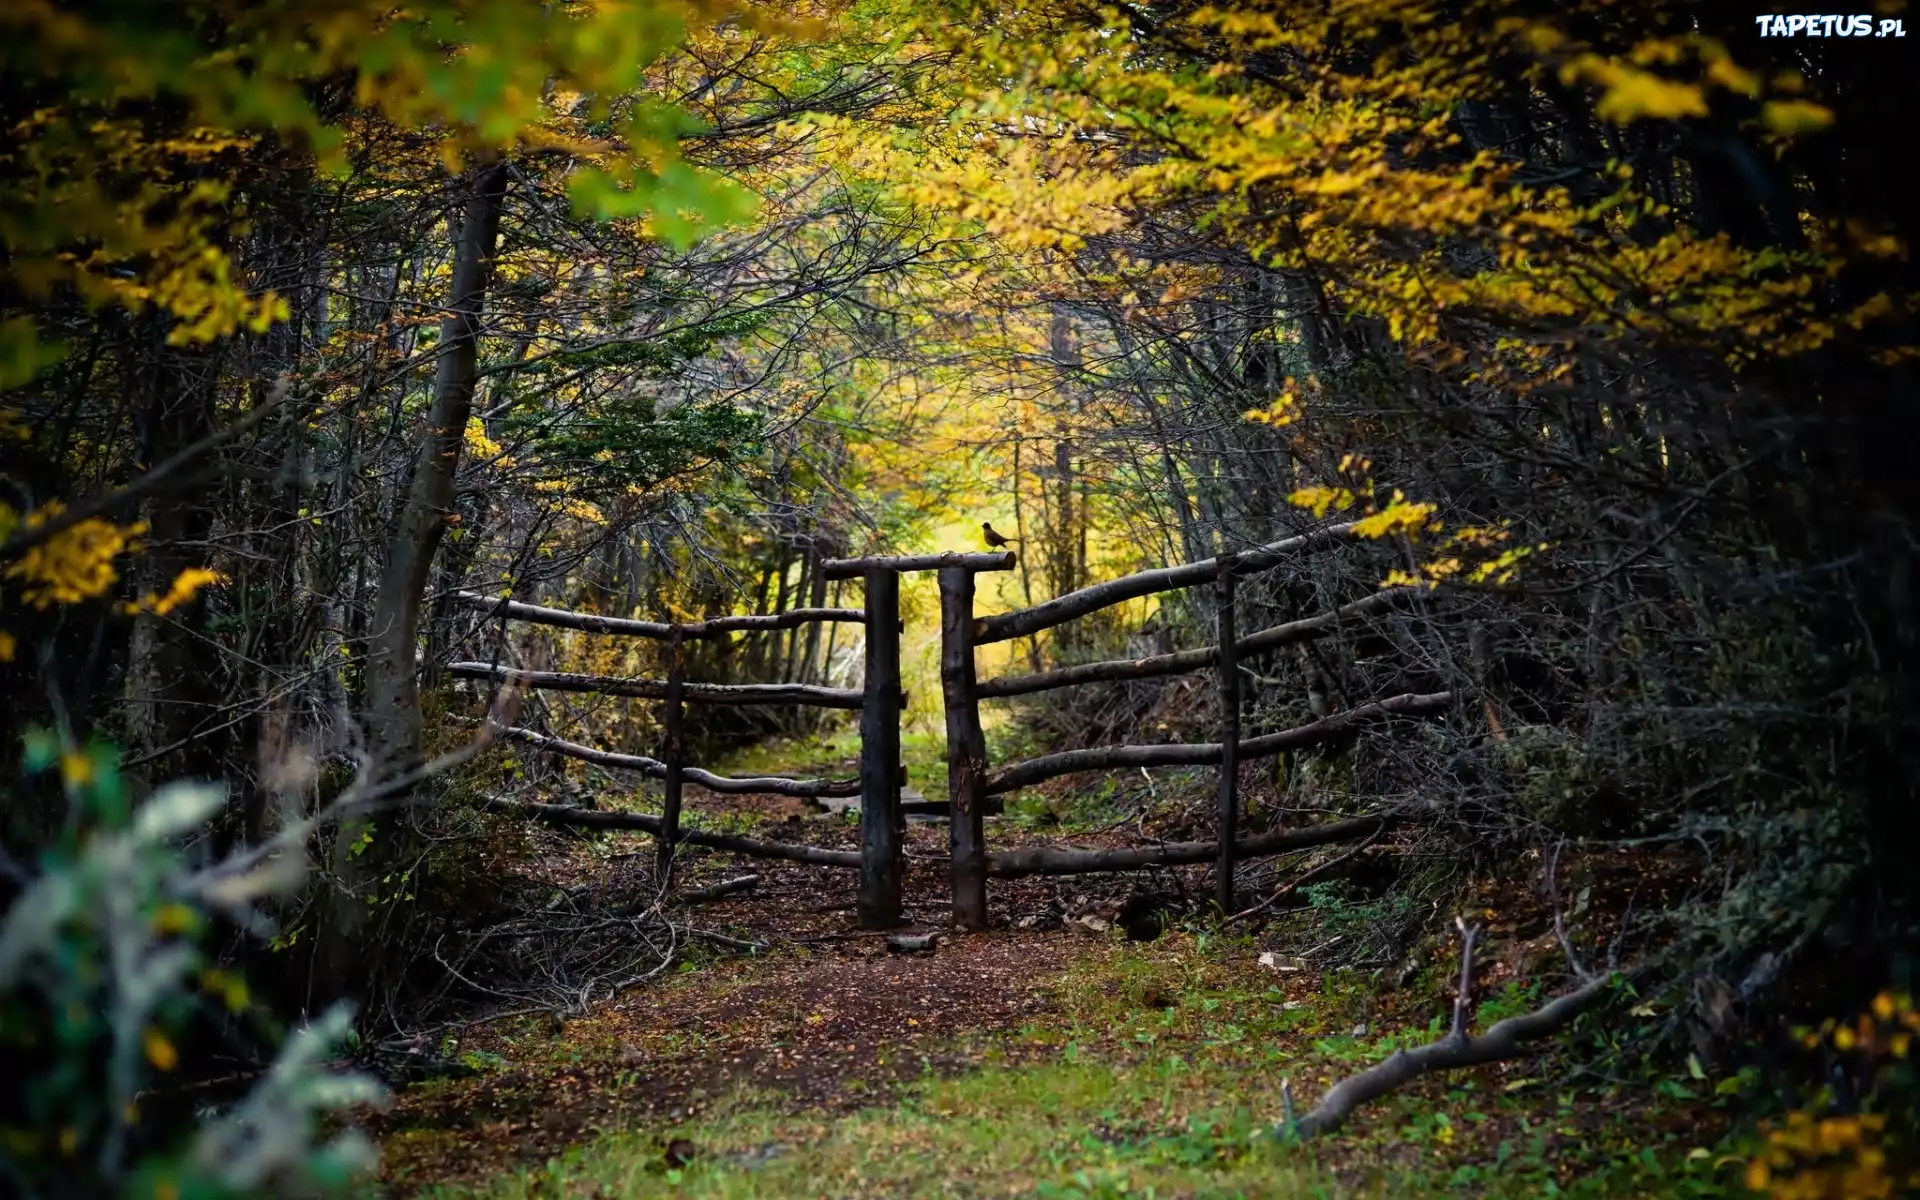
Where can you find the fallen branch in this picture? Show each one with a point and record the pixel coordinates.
(721, 939)
(719, 891)
(1507, 1039)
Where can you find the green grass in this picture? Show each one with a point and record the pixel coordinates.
(1161, 1075)
(830, 751)
(1067, 1130)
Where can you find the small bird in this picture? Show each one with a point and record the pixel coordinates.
(994, 538)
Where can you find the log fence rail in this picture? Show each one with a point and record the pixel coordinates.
(971, 781)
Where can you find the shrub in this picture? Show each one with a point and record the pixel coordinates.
(103, 971)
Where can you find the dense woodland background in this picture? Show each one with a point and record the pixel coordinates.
(314, 313)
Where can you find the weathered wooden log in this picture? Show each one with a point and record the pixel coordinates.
(653, 768)
(847, 568)
(673, 722)
(1062, 860)
(882, 865)
(589, 818)
(1060, 609)
(966, 750)
(1185, 661)
(719, 891)
(1200, 754)
(561, 618)
(656, 689)
(1229, 690)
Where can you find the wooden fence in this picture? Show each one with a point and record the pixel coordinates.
(970, 779)
(879, 700)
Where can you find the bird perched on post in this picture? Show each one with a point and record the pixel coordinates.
(994, 538)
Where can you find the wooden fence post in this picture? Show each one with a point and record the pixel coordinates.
(674, 720)
(966, 749)
(880, 823)
(1229, 676)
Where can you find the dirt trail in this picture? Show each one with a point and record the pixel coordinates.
(828, 1020)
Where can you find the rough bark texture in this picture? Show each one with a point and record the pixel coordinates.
(1229, 684)
(673, 721)
(847, 568)
(882, 868)
(966, 749)
(347, 949)
(393, 695)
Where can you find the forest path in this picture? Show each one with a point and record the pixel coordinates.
(1045, 1056)
(826, 1018)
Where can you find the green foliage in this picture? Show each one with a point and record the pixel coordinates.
(126, 167)
(621, 447)
(105, 973)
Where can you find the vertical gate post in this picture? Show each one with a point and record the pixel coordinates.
(880, 822)
(966, 749)
(676, 756)
(1229, 677)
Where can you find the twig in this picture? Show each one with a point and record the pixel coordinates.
(1463, 1000)
(1457, 1049)
(721, 939)
(718, 891)
(25, 539)
(1559, 923)
(1303, 880)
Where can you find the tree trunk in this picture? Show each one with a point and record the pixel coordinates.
(345, 954)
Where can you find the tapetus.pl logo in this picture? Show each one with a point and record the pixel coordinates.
(1829, 25)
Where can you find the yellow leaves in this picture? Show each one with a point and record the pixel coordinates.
(160, 1051)
(173, 919)
(75, 564)
(185, 587)
(1321, 500)
(9, 646)
(1283, 411)
(479, 445)
(76, 769)
(1815, 1154)
(1725, 73)
(231, 989)
(1791, 117)
(1400, 517)
(1632, 94)
(580, 510)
